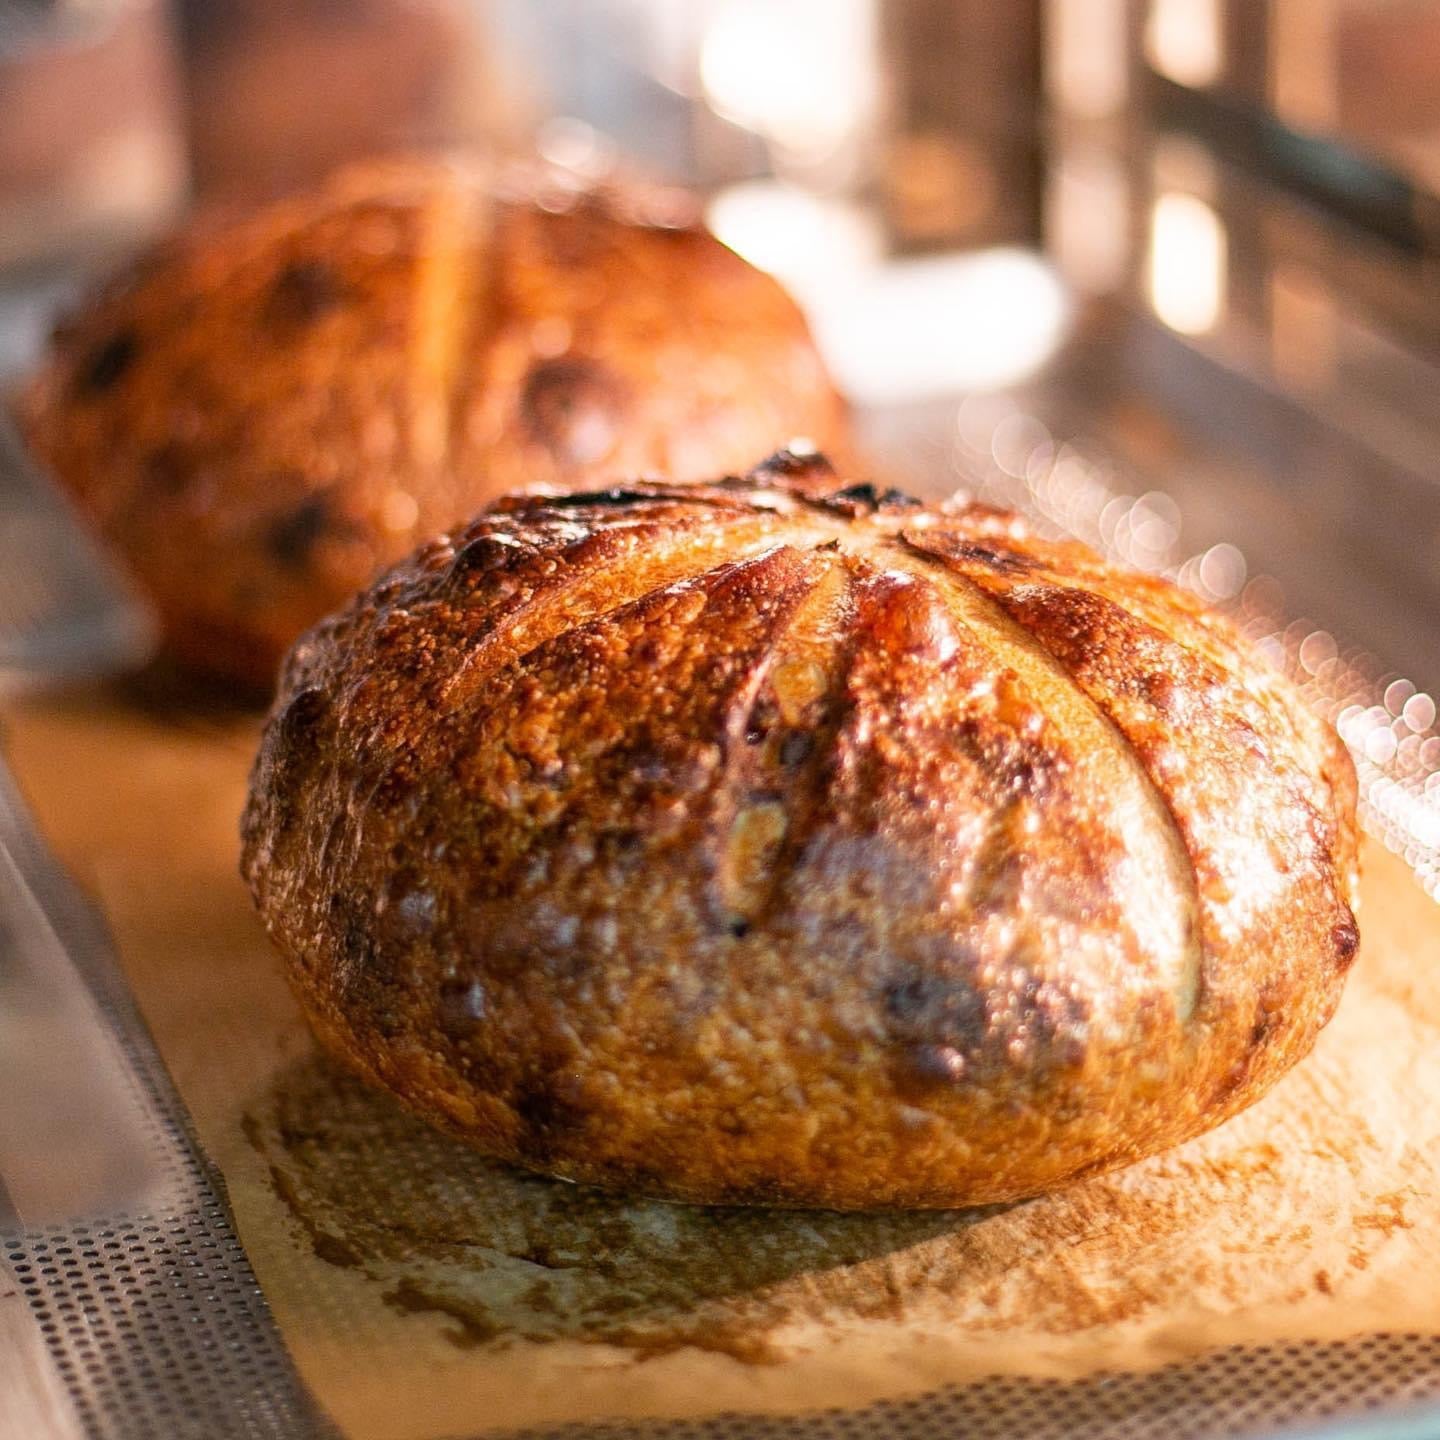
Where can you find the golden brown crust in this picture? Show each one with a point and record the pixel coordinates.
(780, 841)
(272, 407)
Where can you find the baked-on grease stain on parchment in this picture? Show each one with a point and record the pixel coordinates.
(505, 1256)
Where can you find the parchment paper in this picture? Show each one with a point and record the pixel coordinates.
(425, 1293)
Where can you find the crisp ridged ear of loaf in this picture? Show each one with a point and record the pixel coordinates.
(275, 405)
(784, 841)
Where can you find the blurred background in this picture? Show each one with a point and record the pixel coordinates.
(1186, 248)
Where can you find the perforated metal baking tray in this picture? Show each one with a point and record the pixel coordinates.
(143, 1322)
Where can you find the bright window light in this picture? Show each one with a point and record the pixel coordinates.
(1187, 263)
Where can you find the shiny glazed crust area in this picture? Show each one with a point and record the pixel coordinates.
(779, 841)
(272, 407)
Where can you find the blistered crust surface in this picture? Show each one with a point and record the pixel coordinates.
(780, 841)
(272, 407)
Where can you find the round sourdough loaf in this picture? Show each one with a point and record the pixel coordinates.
(780, 841)
(276, 404)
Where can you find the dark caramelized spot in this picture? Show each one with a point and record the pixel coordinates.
(1346, 939)
(910, 1000)
(108, 363)
(796, 748)
(293, 536)
(932, 1010)
(1267, 1022)
(302, 293)
(357, 952)
(300, 731)
(867, 499)
(1264, 1026)
(484, 554)
(574, 408)
(1002, 562)
(794, 465)
(167, 469)
(461, 1007)
(1160, 689)
(934, 1064)
(1077, 625)
(1233, 1079)
(617, 496)
(303, 719)
(760, 721)
(546, 1107)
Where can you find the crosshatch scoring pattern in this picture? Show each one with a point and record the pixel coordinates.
(158, 1329)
